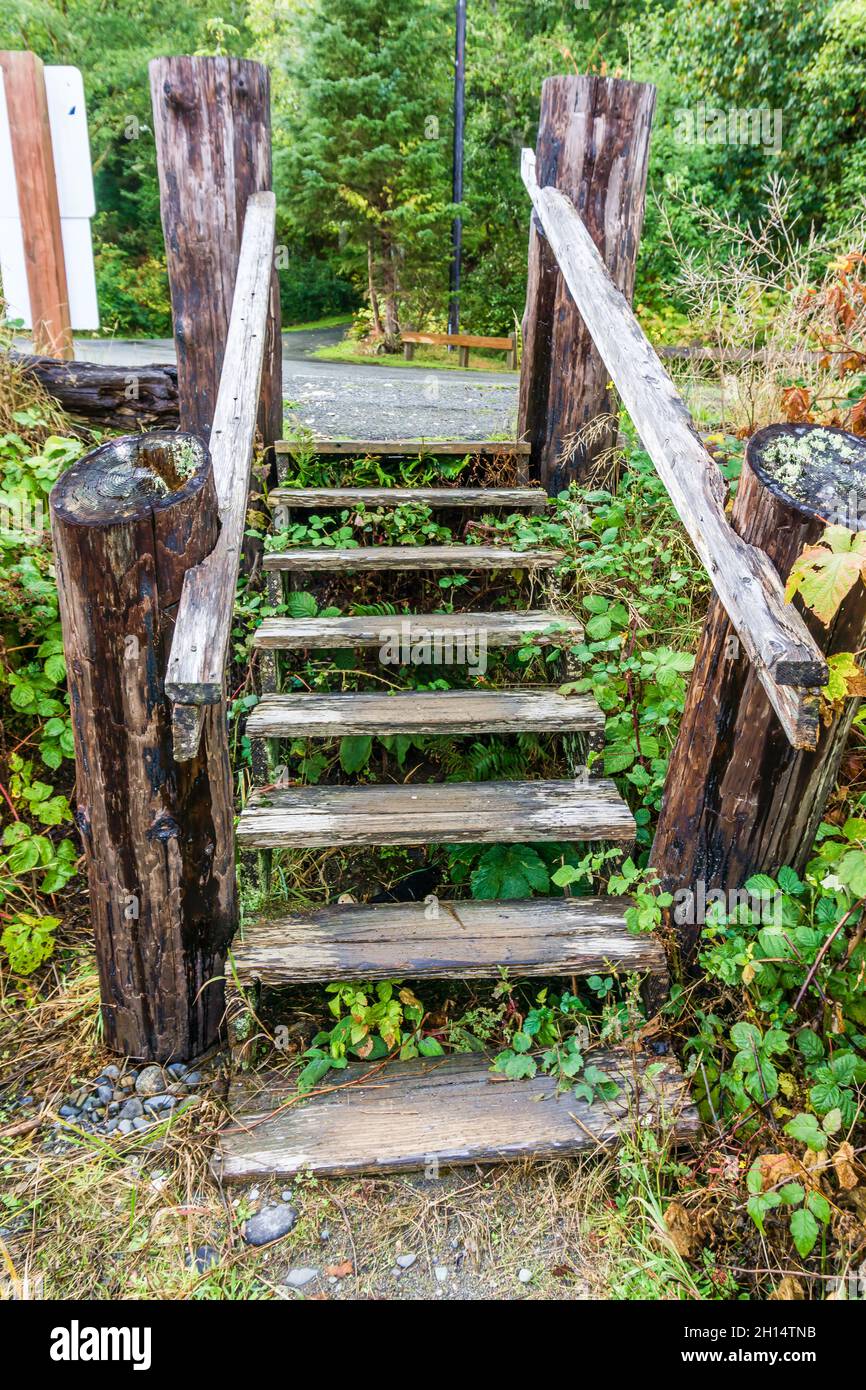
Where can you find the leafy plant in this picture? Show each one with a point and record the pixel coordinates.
(808, 1207)
(824, 573)
(372, 1022)
(548, 1040)
(28, 940)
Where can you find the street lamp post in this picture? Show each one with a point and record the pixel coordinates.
(457, 182)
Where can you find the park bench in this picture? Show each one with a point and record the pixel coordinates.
(463, 342)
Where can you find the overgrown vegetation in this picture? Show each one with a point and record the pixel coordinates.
(773, 1032)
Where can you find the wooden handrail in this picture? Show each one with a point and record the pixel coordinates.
(196, 664)
(788, 662)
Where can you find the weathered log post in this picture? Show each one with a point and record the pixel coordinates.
(738, 797)
(212, 127)
(128, 520)
(593, 145)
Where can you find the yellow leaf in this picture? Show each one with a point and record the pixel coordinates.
(825, 573)
(843, 1162)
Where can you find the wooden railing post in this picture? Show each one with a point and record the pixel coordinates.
(212, 126)
(738, 797)
(128, 520)
(593, 145)
(38, 204)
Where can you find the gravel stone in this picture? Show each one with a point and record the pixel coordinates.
(203, 1259)
(406, 1261)
(150, 1081)
(131, 1108)
(297, 1278)
(271, 1223)
(524, 1275)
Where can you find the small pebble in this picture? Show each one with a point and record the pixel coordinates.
(297, 1278)
(155, 1104)
(150, 1081)
(205, 1258)
(406, 1261)
(441, 1273)
(132, 1108)
(125, 1126)
(192, 1078)
(524, 1275)
(287, 1194)
(271, 1223)
(177, 1069)
(140, 1122)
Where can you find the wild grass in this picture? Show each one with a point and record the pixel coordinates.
(763, 299)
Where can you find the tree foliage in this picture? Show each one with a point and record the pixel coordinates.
(361, 98)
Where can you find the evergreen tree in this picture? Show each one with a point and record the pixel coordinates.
(370, 150)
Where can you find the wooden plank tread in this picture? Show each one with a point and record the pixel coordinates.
(438, 940)
(306, 497)
(410, 448)
(411, 557)
(445, 712)
(440, 1111)
(435, 813)
(460, 630)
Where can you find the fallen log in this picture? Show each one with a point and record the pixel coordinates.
(108, 396)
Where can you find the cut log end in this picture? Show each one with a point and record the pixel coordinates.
(817, 472)
(128, 477)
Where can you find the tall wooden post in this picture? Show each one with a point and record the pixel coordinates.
(738, 797)
(593, 145)
(127, 521)
(39, 209)
(212, 127)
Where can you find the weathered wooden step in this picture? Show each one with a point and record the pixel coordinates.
(438, 939)
(409, 448)
(440, 1111)
(410, 557)
(443, 712)
(456, 631)
(303, 498)
(435, 813)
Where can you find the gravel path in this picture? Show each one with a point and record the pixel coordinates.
(341, 399)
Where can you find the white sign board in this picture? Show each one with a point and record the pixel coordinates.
(67, 117)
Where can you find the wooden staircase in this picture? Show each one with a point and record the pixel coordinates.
(393, 1115)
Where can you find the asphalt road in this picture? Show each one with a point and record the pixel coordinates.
(342, 399)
